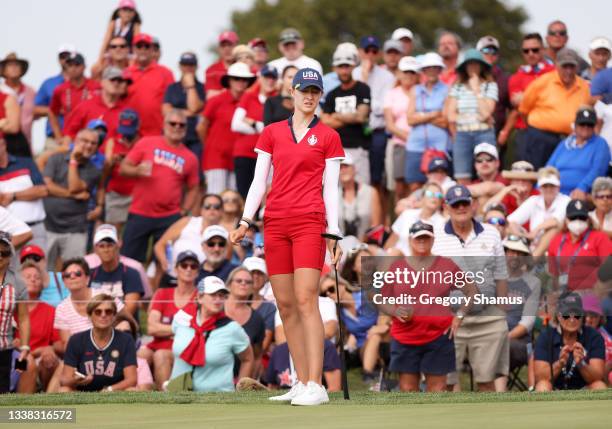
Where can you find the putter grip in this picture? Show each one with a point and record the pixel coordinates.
(331, 236)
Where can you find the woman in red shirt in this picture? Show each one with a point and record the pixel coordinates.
(304, 195)
(576, 253)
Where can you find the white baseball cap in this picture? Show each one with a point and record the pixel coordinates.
(402, 32)
(253, 263)
(210, 285)
(215, 231)
(105, 232)
(344, 56)
(431, 59)
(487, 148)
(66, 47)
(409, 64)
(600, 42)
(487, 41)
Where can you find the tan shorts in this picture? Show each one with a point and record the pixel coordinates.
(486, 346)
(116, 207)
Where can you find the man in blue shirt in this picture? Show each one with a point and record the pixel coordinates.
(45, 92)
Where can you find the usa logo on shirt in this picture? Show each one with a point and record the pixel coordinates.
(312, 140)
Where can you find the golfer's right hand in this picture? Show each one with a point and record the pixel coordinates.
(238, 234)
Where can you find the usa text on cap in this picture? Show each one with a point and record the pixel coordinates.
(457, 194)
(307, 77)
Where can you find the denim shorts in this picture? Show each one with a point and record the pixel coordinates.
(463, 150)
(412, 168)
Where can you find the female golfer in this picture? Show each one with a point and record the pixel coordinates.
(306, 155)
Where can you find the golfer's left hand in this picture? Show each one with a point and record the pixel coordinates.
(335, 257)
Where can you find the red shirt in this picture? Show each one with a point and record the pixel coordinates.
(94, 108)
(160, 194)
(297, 183)
(122, 185)
(590, 255)
(146, 96)
(219, 144)
(163, 301)
(42, 333)
(448, 76)
(245, 143)
(429, 321)
(520, 80)
(66, 97)
(3, 98)
(213, 75)
(499, 178)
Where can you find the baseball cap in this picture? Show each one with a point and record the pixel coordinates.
(401, 33)
(590, 304)
(105, 232)
(586, 116)
(344, 56)
(129, 4)
(576, 209)
(29, 250)
(419, 229)
(142, 38)
(258, 41)
(570, 302)
(566, 57)
(112, 73)
(215, 231)
(521, 170)
(438, 164)
(269, 71)
(487, 148)
(348, 159)
(126, 74)
(129, 122)
(76, 58)
(600, 42)
(369, 41)
(66, 47)
(409, 64)
(431, 59)
(97, 123)
(228, 36)
(210, 285)
(393, 45)
(289, 35)
(188, 59)
(456, 194)
(307, 77)
(253, 263)
(187, 254)
(487, 41)
(548, 176)
(517, 243)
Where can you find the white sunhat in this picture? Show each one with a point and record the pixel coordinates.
(409, 64)
(431, 59)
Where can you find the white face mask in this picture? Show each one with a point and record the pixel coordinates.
(577, 227)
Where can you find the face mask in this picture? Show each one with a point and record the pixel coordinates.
(577, 227)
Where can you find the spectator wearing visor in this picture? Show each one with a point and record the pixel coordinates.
(569, 356)
(213, 74)
(187, 94)
(291, 45)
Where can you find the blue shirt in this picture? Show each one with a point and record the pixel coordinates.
(217, 375)
(222, 272)
(55, 292)
(428, 136)
(44, 94)
(330, 81)
(601, 85)
(580, 166)
(366, 318)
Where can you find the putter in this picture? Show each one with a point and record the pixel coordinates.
(345, 388)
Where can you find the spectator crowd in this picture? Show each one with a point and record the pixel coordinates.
(118, 273)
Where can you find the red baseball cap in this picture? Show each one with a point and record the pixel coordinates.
(258, 41)
(31, 249)
(228, 36)
(142, 38)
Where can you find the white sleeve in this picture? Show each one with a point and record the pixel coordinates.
(238, 124)
(530, 307)
(258, 186)
(12, 224)
(327, 308)
(523, 212)
(331, 178)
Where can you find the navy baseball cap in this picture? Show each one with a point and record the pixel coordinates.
(438, 164)
(568, 303)
(129, 122)
(185, 255)
(76, 58)
(457, 194)
(369, 41)
(97, 123)
(269, 71)
(307, 77)
(189, 59)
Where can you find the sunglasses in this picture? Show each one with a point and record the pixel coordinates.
(586, 125)
(531, 50)
(243, 281)
(328, 291)
(489, 50)
(6, 253)
(127, 9)
(177, 124)
(117, 80)
(215, 243)
(430, 194)
(187, 265)
(569, 316)
(561, 33)
(461, 204)
(122, 46)
(497, 221)
(584, 218)
(72, 274)
(35, 258)
(371, 51)
(240, 79)
(603, 197)
(106, 312)
(64, 55)
(486, 159)
(212, 206)
(142, 46)
(513, 237)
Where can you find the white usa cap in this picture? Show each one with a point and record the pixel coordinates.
(215, 231)
(402, 32)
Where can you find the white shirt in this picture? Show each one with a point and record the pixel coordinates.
(604, 112)
(11, 224)
(607, 226)
(534, 212)
(380, 81)
(402, 224)
(301, 62)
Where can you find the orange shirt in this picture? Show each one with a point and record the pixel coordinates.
(550, 106)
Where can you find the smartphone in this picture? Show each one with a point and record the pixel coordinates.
(79, 375)
(21, 364)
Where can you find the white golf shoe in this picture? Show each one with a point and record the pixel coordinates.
(296, 390)
(313, 394)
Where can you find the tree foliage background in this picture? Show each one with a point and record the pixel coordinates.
(325, 23)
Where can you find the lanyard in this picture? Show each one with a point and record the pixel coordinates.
(573, 258)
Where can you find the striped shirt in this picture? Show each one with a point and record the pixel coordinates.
(68, 319)
(11, 292)
(467, 102)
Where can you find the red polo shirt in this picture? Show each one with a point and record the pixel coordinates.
(213, 75)
(245, 143)
(220, 140)
(67, 96)
(297, 182)
(42, 333)
(520, 80)
(94, 108)
(146, 96)
(174, 167)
